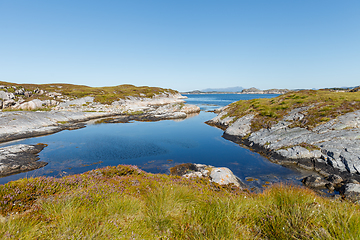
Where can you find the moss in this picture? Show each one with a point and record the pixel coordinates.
(308, 146)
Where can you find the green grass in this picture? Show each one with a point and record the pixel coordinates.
(324, 106)
(104, 95)
(124, 202)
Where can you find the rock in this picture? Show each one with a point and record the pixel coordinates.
(332, 147)
(222, 176)
(77, 102)
(183, 169)
(240, 127)
(334, 179)
(351, 191)
(6, 95)
(8, 103)
(1, 104)
(31, 105)
(20, 158)
(27, 94)
(189, 108)
(313, 181)
(19, 92)
(298, 152)
(16, 125)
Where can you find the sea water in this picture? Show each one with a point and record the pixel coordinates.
(156, 146)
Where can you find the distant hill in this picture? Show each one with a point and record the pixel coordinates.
(229, 89)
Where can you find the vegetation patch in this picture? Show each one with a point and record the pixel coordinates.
(309, 147)
(124, 202)
(324, 105)
(105, 95)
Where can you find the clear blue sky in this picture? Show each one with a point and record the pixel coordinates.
(183, 44)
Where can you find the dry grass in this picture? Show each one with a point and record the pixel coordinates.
(124, 202)
(102, 94)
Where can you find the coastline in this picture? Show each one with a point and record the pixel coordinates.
(72, 115)
(329, 150)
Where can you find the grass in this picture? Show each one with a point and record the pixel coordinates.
(324, 105)
(104, 95)
(124, 202)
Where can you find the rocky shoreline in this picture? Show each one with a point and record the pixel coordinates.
(74, 114)
(330, 150)
(20, 158)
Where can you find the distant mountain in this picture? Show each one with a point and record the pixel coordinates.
(229, 89)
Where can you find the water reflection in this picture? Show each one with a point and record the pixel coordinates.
(154, 147)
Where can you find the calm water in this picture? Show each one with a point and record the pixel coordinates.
(155, 146)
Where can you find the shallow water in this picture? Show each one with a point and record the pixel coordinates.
(155, 147)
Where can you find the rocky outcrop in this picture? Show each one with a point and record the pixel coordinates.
(23, 124)
(269, 91)
(20, 158)
(328, 149)
(219, 175)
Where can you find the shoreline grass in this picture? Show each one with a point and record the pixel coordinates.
(323, 105)
(124, 202)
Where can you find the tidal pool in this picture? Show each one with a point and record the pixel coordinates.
(156, 146)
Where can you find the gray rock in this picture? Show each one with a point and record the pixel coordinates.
(189, 108)
(28, 94)
(6, 95)
(351, 191)
(8, 103)
(222, 175)
(19, 92)
(20, 158)
(314, 181)
(338, 139)
(31, 105)
(241, 127)
(298, 152)
(77, 102)
(334, 179)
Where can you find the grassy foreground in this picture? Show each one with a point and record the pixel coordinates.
(324, 105)
(124, 202)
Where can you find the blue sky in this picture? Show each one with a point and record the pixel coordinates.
(183, 44)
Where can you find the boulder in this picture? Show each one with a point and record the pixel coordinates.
(8, 103)
(189, 108)
(313, 181)
(351, 191)
(6, 95)
(224, 176)
(27, 94)
(19, 92)
(31, 105)
(221, 176)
